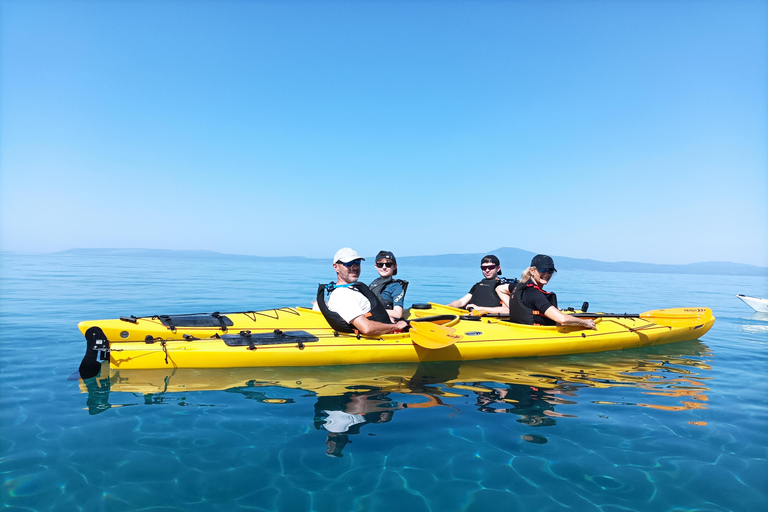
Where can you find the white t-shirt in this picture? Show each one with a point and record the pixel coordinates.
(340, 421)
(349, 304)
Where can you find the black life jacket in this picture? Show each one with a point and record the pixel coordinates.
(378, 313)
(484, 293)
(522, 314)
(378, 286)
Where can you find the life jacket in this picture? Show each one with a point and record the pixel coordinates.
(378, 286)
(522, 314)
(485, 293)
(377, 313)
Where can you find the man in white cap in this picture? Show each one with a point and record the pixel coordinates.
(351, 306)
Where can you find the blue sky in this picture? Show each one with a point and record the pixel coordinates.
(612, 130)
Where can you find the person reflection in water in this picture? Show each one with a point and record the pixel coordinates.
(532, 404)
(344, 415)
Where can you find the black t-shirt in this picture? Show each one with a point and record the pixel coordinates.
(534, 299)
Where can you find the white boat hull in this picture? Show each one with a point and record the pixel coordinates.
(756, 303)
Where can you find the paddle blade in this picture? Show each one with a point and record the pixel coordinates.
(432, 336)
(679, 317)
(678, 313)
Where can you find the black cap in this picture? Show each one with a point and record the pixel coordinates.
(385, 255)
(490, 258)
(388, 255)
(542, 262)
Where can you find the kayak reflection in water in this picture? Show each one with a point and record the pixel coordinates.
(344, 415)
(528, 302)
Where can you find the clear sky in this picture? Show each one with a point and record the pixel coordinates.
(612, 130)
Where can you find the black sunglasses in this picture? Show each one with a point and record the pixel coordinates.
(350, 263)
(387, 264)
(487, 267)
(546, 270)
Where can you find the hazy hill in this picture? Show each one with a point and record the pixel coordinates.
(512, 261)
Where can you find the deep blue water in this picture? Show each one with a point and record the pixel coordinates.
(676, 427)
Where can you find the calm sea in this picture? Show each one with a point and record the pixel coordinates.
(677, 427)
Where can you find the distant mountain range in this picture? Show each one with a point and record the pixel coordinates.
(518, 259)
(511, 258)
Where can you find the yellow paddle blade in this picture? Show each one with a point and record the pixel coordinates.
(677, 317)
(432, 336)
(678, 313)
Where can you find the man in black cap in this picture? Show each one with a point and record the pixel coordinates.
(528, 302)
(483, 294)
(391, 292)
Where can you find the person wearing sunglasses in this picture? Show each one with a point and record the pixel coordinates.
(528, 302)
(483, 294)
(352, 306)
(391, 292)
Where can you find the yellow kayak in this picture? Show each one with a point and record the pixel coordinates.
(302, 337)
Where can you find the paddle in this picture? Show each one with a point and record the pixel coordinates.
(672, 313)
(604, 315)
(432, 336)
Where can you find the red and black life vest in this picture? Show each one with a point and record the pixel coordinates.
(522, 314)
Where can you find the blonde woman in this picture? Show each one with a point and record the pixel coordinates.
(528, 302)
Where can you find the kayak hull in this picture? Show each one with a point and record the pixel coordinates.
(316, 344)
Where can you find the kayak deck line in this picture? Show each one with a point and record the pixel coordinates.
(302, 337)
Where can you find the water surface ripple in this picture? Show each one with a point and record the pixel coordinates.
(675, 427)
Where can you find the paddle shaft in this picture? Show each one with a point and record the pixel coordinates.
(604, 315)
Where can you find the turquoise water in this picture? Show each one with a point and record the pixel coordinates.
(676, 427)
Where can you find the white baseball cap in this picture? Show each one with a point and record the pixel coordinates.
(346, 255)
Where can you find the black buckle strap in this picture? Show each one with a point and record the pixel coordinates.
(166, 319)
(220, 318)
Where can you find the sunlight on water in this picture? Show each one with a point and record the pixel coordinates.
(672, 427)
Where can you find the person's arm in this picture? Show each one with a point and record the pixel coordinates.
(395, 313)
(460, 303)
(374, 328)
(501, 310)
(395, 293)
(504, 292)
(558, 316)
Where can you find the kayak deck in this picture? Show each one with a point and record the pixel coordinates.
(301, 337)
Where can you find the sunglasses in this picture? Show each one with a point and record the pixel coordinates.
(546, 270)
(387, 264)
(351, 263)
(487, 267)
